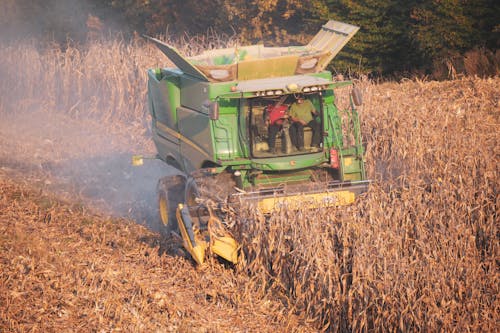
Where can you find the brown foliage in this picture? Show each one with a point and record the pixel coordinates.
(65, 269)
(482, 62)
(418, 252)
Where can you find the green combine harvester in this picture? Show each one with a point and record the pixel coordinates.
(211, 120)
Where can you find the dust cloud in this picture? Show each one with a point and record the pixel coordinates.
(57, 21)
(66, 129)
(82, 161)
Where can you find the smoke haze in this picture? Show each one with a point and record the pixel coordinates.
(71, 118)
(56, 20)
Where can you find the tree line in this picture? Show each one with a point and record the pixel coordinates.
(395, 37)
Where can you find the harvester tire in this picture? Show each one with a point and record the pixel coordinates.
(170, 191)
(191, 192)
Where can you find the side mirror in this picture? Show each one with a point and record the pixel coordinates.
(357, 96)
(213, 110)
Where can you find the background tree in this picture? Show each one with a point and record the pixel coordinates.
(383, 43)
(396, 36)
(276, 21)
(442, 29)
(445, 29)
(49, 19)
(272, 21)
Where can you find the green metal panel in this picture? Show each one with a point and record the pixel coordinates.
(352, 167)
(221, 89)
(332, 121)
(289, 162)
(225, 131)
(158, 95)
(195, 143)
(194, 93)
(164, 96)
(174, 96)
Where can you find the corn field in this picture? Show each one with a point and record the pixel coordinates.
(418, 252)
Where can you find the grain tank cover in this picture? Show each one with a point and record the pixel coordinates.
(332, 38)
(182, 63)
(257, 61)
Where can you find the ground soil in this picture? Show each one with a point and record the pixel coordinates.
(79, 251)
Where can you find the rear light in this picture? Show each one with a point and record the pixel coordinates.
(334, 158)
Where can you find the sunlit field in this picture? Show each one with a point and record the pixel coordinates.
(418, 252)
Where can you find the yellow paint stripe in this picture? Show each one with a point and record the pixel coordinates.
(181, 137)
(167, 129)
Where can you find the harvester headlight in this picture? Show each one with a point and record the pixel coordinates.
(292, 87)
(306, 89)
(269, 93)
(315, 88)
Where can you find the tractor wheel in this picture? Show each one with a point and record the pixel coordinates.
(170, 193)
(191, 192)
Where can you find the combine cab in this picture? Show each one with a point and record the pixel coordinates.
(211, 120)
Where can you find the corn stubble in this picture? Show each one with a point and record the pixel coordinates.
(419, 251)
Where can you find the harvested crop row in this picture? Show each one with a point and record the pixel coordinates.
(65, 269)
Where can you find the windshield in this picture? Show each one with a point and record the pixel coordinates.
(284, 125)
